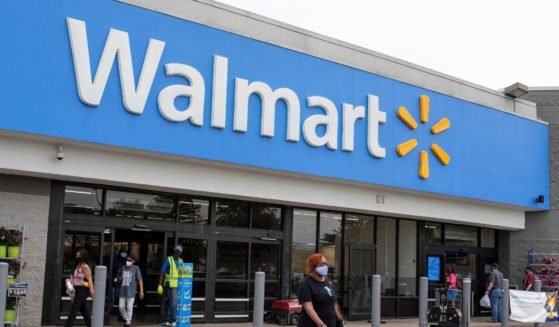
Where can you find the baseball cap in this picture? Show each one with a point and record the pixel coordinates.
(178, 248)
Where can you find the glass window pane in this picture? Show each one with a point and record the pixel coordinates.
(194, 211)
(194, 251)
(460, 235)
(231, 214)
(231, 260)
(83, 200)
(266, 217)
(386, 255)
(140, 206)
(433, 233)
(231, 290)
(407, 266)
(330, 239)
(304, 244)
(359, 229)
(487, 238)
(266, 258)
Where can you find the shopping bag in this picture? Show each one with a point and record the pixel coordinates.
(484, 302)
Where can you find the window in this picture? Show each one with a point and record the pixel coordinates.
(304, 244)
(433, 233)
(407, 264)
(460, 235)
(83, 200)
(266, 217)
(140, 206)
(386, 255)
(359, 229)
(193, 211)
(231, 214)
(330, 242)
(487, 238)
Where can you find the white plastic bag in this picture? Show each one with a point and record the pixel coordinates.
(485, 302)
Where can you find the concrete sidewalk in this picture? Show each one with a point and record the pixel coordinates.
(476, 322)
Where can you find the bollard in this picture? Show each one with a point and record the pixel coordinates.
(3, 290)
(423, 297)
(466, 308)
(505, 304)
(375, 301)
(258, 306)
(537, 288)
(98, 312)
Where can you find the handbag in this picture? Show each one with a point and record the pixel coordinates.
(70, 289)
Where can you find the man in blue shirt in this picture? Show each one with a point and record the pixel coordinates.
(171, 273)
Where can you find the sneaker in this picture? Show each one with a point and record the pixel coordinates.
(166, 323)
(173, 324)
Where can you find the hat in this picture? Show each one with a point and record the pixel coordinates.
(178, 248)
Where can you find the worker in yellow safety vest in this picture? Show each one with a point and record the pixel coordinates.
(171, 273)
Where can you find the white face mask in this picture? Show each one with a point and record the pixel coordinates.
(129, 263)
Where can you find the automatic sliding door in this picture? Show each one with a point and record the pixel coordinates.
(195, 251)
(231, 279)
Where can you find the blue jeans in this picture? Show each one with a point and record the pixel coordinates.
(495, 297)
(170, 304)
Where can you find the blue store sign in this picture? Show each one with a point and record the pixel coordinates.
(110, 73)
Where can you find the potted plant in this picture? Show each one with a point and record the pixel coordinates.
(10, 313)
(14, 242)
(14, 268)
(4, 235)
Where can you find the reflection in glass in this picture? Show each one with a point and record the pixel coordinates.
(231, 214)
(460, 235)
(266, 217)
(329, 238)
(265, 258)
(140, 206)
(194, 211)
(433, 233)
(407, 266)
(231, 260)
(386, 255)
(487, 238)
(194, 251)
(361, 271)
(304, 244)
(230, 290)
(359, 229)
(83, 200)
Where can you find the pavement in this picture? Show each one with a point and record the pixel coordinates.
(475, 322)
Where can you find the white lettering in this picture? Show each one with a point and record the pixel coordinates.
(91, 92)
(195, 91)
(330, 120)
(243, 90)
(351, 114)
(375, 117)
(219, 93)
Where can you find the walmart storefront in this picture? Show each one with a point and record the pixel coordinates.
(253, 144)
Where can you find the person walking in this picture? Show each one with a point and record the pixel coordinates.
(131, 277)
(82, 280)
(170, 272)
(451, 286)
(528, 284)
(494, 290)
(317, 295)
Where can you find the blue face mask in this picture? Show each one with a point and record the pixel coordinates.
(322, 270)
(123, 254)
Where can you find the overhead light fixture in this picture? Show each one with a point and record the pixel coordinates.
(516, 90)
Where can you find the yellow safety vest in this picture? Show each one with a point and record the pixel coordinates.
(173, 275)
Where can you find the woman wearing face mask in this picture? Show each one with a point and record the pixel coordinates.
(82, 280)
(317, 295)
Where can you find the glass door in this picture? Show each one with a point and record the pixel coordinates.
(95, 242)
(361, 270)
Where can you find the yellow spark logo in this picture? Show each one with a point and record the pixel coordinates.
(404, 148)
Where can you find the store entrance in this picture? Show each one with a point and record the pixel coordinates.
(148, 248)
(361, 269)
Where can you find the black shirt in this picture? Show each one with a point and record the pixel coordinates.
(323, 298)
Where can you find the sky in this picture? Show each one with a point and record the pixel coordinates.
(493, 43)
